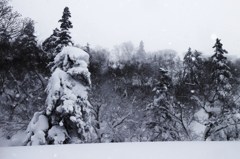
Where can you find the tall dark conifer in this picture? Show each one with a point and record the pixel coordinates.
(220, 69)
(64, 35)
(220, 73)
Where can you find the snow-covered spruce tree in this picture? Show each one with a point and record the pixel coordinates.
(50, 44)
(221, 107)
(64, 35)
(161, 120)
(220, 70)
(67, 118)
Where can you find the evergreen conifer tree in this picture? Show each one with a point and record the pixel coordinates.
(220, 70)
(161, 114)
(192, 70)
(27, 39)
(64, 35)
(26, 44)
(67, 118)
(50, 44)
(220, 73)
(221, 105)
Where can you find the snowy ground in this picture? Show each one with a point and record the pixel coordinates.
(157, 150)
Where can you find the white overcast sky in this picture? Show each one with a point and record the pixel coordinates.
(161, 24)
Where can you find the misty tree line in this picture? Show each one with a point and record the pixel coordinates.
(158, 97)
(135, 95)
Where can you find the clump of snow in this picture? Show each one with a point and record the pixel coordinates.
(54, 89)
(17, 139)
(201, 116)
(73, 118)
(57, 134)
(75, 55)
(198, 129)
(37, 128)
(17, 95)
(80, 73)
(214, 110)
(38, 122)
(38, 138)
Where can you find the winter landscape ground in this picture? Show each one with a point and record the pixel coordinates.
(57, 92)
(166, 150)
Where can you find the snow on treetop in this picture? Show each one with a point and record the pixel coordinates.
(163, 70)
(74, 54)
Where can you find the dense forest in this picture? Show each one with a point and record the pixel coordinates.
(58, 92)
